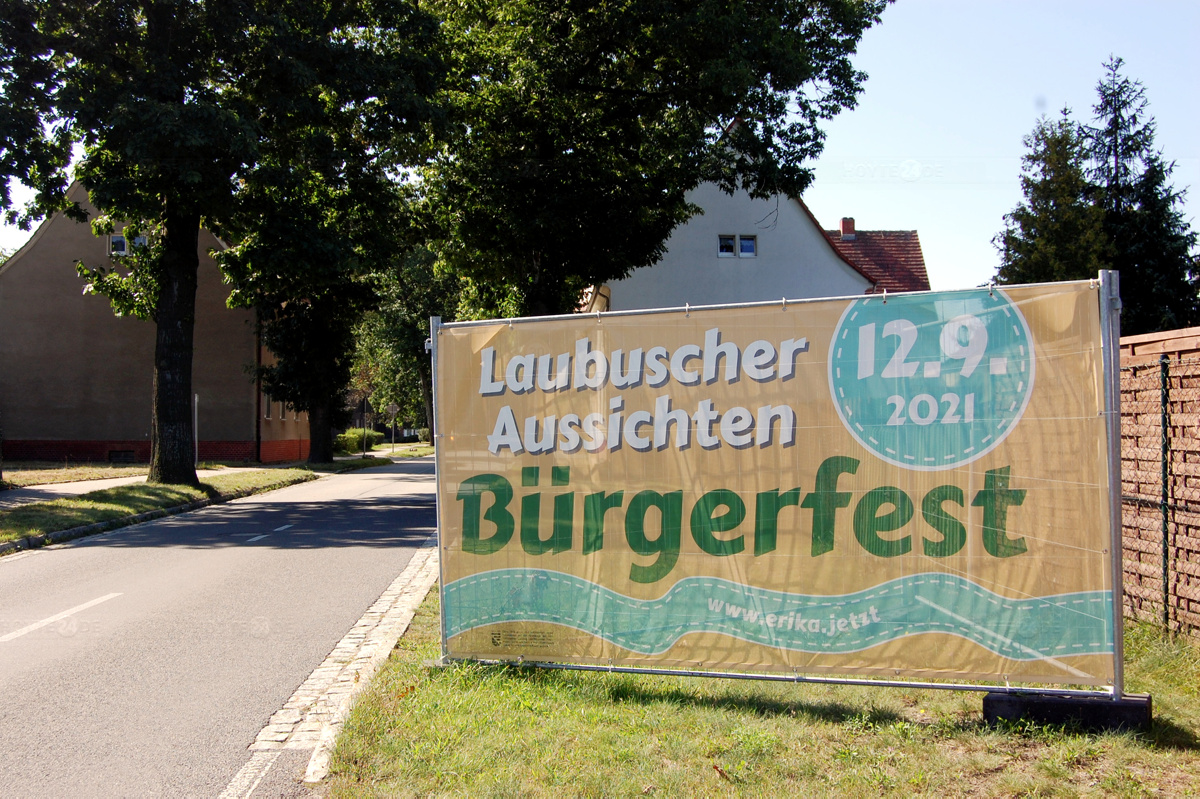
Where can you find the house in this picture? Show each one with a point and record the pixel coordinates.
(76, 380)
(746, 250)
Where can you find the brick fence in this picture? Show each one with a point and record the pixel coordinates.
(1160, 464)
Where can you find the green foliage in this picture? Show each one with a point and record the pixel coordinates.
(1152, 241)
(1057, 233)
(181, 109)
(391, 340)
(351, 441)
(1099, 197)
(578, 129)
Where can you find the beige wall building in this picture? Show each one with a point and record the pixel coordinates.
(76, 381)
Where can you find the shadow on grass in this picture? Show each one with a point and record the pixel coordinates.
(628, 688)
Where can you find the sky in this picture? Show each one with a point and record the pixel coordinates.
(935, 143)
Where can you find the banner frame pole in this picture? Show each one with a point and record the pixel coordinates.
(435, 332)
(1110, 334)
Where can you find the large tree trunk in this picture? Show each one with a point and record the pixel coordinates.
(320, 432)
(172, 458)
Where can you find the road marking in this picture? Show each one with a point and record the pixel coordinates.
(257, 538)
(18, 556)
(57, 617)
(281, 529)
(250, 775)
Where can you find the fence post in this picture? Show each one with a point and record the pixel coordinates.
(1164, 369)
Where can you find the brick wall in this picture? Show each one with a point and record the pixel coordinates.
(283, 451)
(1160, 402)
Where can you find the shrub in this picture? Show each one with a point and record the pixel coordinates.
(423, 435)
(351, 441)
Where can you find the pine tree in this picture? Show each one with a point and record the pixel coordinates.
(1057, 233)
(1151, 240)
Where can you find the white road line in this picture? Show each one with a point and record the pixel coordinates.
(26, 554)
(40, 624)
(281, 529)
(251, 774)
(256, 538)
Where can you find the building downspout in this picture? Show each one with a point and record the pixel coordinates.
(257, 388)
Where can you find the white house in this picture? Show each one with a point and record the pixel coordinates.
(746, 250)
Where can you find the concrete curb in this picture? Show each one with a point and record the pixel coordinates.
(312, 718)
(59, 536)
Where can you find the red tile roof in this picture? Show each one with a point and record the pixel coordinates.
(891, 258)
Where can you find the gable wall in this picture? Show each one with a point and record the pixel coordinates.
(74, 372)
(794, 259)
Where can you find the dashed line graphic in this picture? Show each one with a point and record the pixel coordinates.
(1021, 629)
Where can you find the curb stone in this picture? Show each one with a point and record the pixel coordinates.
(59, 536)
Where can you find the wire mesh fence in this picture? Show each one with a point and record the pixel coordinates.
(1160, 454)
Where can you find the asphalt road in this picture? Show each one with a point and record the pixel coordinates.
(182, 636)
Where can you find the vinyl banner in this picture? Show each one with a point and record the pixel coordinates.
(900, 485)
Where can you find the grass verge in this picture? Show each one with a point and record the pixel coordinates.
(20, 474)
(349, 465)
(505, 731)
(114, 503)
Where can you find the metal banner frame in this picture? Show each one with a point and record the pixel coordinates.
(1108, 287)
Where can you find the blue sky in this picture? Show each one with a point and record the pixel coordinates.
(935, 142)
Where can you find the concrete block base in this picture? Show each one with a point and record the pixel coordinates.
(1095, 714)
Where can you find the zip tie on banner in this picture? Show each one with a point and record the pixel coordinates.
(510, 322)
(1093, 284)
(991, 288)
(687, 309)
(885, 295)
(785, 303)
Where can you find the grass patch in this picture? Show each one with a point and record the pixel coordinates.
(349, 465)
(20, 474)
(409, 450)
(413, 451)
(507, 731)
(115, 503)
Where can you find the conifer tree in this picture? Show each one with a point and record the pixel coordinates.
(1151, 241)
(1057, 233)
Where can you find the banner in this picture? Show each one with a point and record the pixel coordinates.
(905, 485)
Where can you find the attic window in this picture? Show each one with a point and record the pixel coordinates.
(726, 246)
(119, 246)
(747, 246)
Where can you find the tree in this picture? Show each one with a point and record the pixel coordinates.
(580, 127)
(1057, 233)
(319, 221)
(1099, 197)
(1152, 242)
(391, 340)
(171, 102)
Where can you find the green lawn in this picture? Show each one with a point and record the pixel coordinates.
(19, 474)
(472, 730)
(114, 503)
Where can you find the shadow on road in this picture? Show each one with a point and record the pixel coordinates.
(398, 520)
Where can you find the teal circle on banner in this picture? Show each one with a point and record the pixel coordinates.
(931, 381)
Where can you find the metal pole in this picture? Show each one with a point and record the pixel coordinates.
(196, 429)
(1110, 336)
(435, 424)
(1164, 506)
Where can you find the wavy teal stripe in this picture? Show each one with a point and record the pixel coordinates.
(1025, 629)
